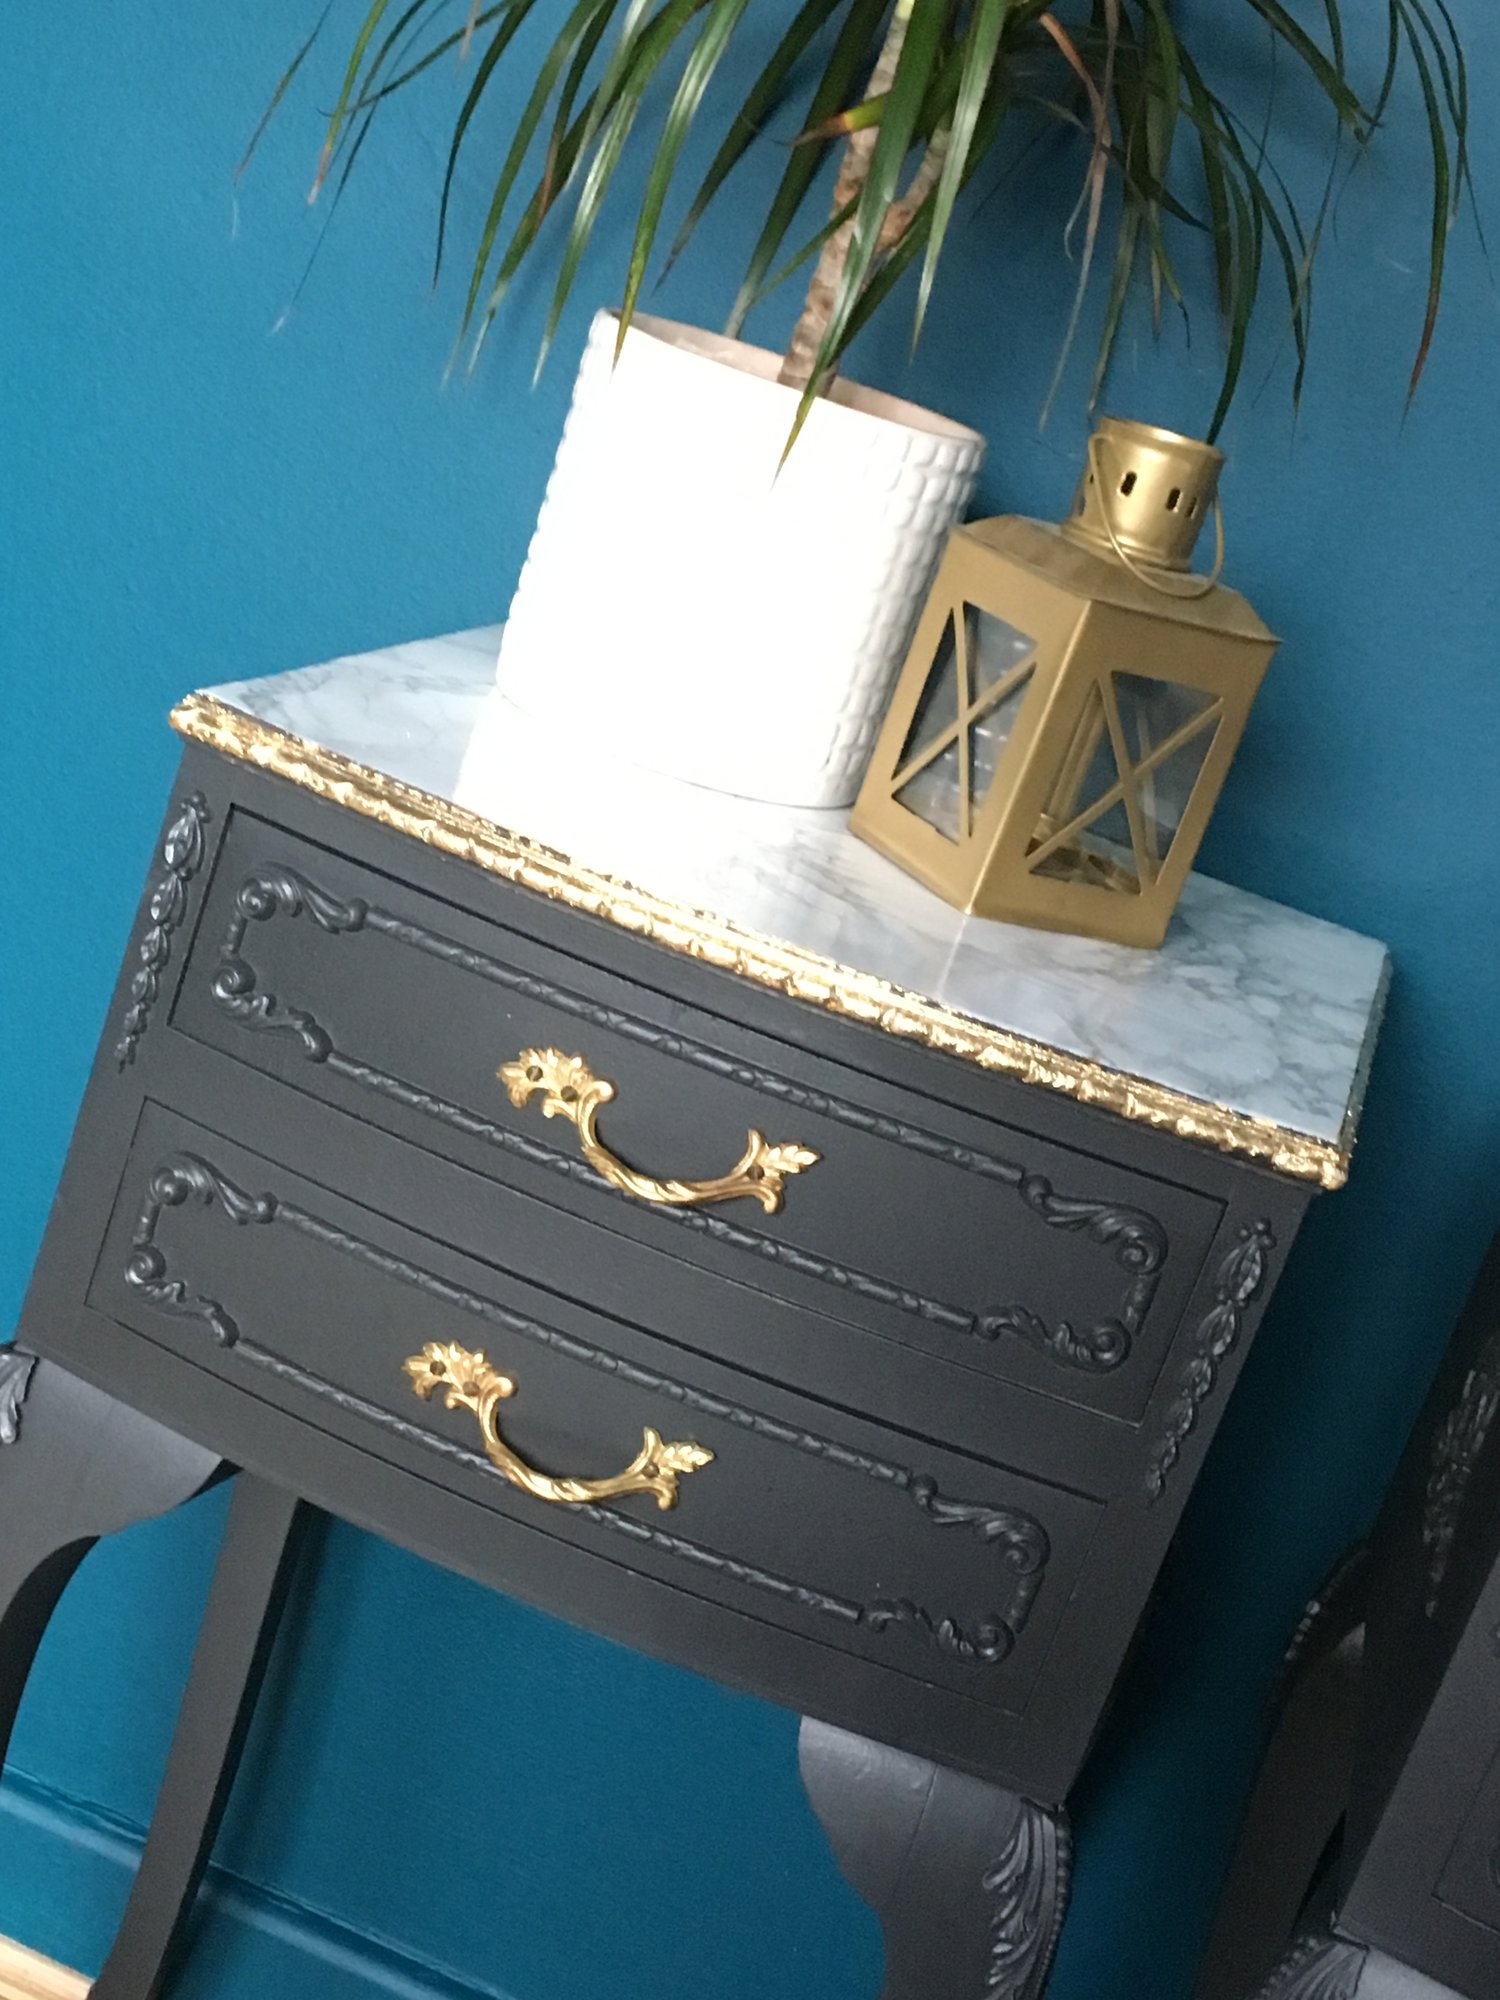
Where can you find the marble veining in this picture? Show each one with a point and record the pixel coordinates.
(1248, 1006)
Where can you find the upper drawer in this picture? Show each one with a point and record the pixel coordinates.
(980, 1245)
(923, 1562)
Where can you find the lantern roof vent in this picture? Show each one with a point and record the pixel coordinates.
(1145, 494)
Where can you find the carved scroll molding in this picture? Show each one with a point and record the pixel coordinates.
(1318, 1967)
(1019, 1541)
(1239, 1282)
(1028, 1888)
(1136, 1240)
(1456, 1452)
(180, 1179)
(182, 852)
(16, 1367)
(1336, 1615)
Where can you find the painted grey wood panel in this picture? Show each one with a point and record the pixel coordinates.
(512, 1227)
(935, 1567)
(979, 1246)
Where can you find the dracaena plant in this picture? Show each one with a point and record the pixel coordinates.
(917, 95)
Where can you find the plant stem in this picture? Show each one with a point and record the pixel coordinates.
(854, 171)
(901, 214)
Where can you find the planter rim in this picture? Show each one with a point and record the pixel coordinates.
(762, 364)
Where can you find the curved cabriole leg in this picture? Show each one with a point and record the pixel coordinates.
(1297, 1808)
(74, 1465)
(968, 1880)
(1321, 1966)
(244, 1608)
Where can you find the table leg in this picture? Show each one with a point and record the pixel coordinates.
(1297, 1808)
(74, 1465)
(245, 1603)
(1321, 1966)
(969, 1881)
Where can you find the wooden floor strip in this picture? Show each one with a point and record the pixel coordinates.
(26, 1975)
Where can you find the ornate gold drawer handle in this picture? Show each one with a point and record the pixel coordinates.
(469, 1383)
(572, 1091)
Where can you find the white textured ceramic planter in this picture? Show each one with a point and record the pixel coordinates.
(688, 606)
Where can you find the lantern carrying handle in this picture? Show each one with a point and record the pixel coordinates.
(1198, 586)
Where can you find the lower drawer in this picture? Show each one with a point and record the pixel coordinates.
(935, 1567)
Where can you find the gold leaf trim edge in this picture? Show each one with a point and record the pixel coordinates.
(799, 974)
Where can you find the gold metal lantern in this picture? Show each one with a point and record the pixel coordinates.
(1070, 705)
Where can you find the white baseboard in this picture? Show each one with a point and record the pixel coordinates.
(26, 1975)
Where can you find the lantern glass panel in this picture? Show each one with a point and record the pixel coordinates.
(937, 705)
(963, 720)
(1083, 834)
(928, 780)
(1153, 714)
(996, 648)
(933, 793)
(989, 735)
(1001, 659)
(1120, 843)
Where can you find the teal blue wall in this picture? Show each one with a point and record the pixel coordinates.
(442, 1780)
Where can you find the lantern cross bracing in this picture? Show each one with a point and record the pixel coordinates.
(964, 719)
(1146, 785)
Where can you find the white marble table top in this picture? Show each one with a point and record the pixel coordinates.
(1249, 1009)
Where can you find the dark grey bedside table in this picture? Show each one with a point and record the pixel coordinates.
(670, 1214)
